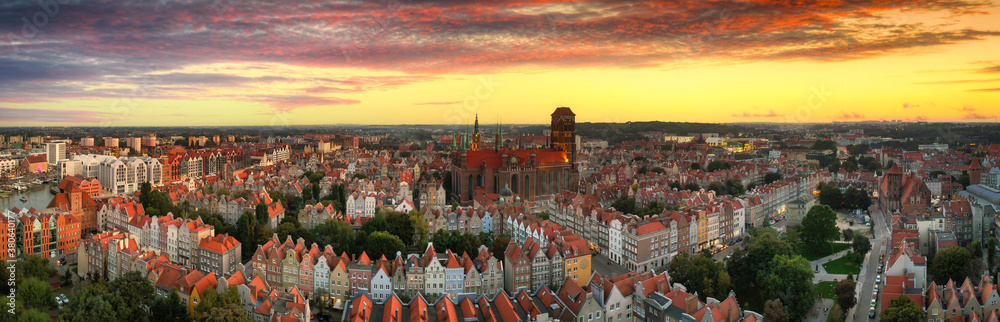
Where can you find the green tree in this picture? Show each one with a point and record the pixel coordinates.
(691, 186)
(383, 243)
(33, 315)
(861, 245)
(830, 195)
(420, 228)
(285, 229)
(700, 274)
(468, 243)
(746, 266)
(67, 278)
(91, 303)
(625, 204)
(856, 199)
(719, 188)
(133, 295)
(376, 223)
(952, 263)
(37, 267)
(991, 250)
(902, 309)
(824, 145)
(144, 194)
(717, 165)
(675, 185)
(231, 312)
(169, 308)
(315, 177)
(246, 232)
(848, 234)
(790, 280)
(845, 295)
(976, 249)
(775, 311)
(819, 228)
(37, 294)
(771, 177)
(856, 149)
(499, 246)
(400, 225)
(834, 166)
(336, 233)
(261, 214)
(735, 187)
(212, 300)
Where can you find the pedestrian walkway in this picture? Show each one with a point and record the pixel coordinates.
(820, 311)
(819, 272)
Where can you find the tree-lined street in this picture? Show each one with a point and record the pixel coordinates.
(866, 280)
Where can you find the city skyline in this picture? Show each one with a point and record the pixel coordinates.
(167, 63)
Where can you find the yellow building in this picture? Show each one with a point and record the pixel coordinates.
(702, 241)
(577, 261)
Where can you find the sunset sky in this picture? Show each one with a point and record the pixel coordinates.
(246, 62)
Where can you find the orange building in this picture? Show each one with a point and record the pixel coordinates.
(75, 201)
(35, 164)
(48, 234)
(89, 185)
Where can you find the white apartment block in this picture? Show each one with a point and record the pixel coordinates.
(55, 151)
(7, 165)
(119, 175)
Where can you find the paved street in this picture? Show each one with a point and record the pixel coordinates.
(867, 277)
(604, 266)
(820, 311)
(721, 256)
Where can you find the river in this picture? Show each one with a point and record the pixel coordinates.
(38, 197)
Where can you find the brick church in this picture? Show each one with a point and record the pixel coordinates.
(900, 192)
(516, 173)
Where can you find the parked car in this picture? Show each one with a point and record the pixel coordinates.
(871, 313)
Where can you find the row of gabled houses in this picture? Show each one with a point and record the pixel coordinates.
(323, 275)
(259, 300)
(631, 297)
(692, 221)
(113, 253)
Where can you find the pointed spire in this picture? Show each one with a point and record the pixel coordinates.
(499, 139)
(475, 130)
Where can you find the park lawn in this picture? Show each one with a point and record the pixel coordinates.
(811, 256)
(825, 289)
(835, 314)
(840, 266)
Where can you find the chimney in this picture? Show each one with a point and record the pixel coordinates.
(661, 286)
